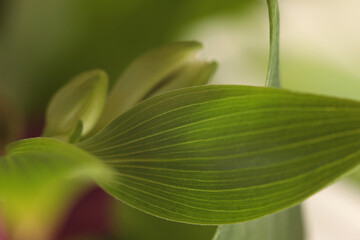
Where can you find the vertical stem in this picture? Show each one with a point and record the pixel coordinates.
(273, 78)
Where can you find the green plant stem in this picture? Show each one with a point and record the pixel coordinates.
(273, 78)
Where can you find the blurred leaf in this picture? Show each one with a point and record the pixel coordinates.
(132, 224)
(299, 75)
(168, 67)
(283, 225)
(38, 179)
(226, 154)
(75, 109)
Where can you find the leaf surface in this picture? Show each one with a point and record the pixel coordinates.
(226, 154)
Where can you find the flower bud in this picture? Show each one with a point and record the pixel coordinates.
(76, 108)
(169, 67)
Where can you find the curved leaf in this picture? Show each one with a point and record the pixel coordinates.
(284, 225)
(226, 154)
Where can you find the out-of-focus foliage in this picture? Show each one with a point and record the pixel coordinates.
(283, 225)
(43, 43)
(132, 224)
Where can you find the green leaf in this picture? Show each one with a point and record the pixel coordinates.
(76, 108)
(226, 154)
(39, 178)
(284, 225)
(165, 68)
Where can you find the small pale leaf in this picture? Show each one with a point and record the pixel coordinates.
(81, 100)
(172, 66)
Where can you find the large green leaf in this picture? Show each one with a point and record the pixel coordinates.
(225, 154)
(38, 180)
(284, 225)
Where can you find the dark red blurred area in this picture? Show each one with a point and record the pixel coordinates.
(89, 217)
(34, 127)
(2, 230)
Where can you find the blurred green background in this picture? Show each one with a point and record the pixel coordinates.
(43, 43)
